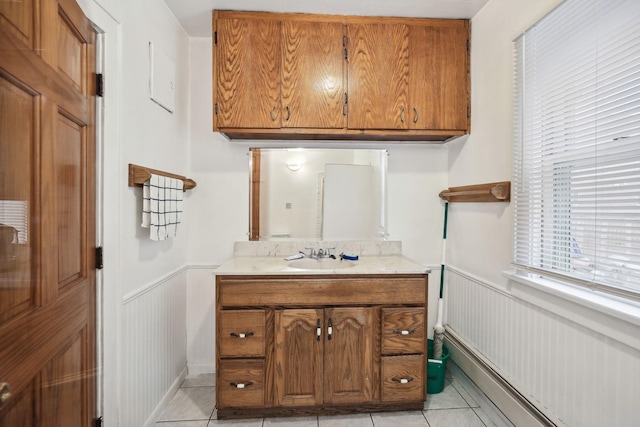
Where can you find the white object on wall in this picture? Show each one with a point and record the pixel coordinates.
(162, 79)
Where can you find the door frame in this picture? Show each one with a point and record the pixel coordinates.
(110, 182)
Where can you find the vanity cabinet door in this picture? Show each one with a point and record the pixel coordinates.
(349, 375)
(378, 76)
(246, 73)
(313, 90)
(439, 76)
(298, 357)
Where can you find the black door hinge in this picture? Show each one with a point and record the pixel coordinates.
(216, 108)
(99, 422)
(215, 37)
(99, 258)
(99, 85)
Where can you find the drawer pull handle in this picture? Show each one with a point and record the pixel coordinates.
(241, 385)
(247, 335)
(330, 329)
(403, 332)
(318, 331)
(402, 380)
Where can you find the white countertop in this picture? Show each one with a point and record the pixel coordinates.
(367, 264)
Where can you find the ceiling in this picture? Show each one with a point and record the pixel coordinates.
(195, 15)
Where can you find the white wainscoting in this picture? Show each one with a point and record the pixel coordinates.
(571, 373)
(153, 352)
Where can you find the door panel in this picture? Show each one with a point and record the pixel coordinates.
(247, 70)
(69, 153)
(18, 18)
(17, 130)
(312, 75)
(349, 359)
(47, 283)
(298, 373)
(378, 74)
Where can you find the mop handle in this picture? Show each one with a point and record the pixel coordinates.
(444, 246)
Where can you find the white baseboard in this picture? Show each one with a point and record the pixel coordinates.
(201, 368)
(519, 410)
(151, 421)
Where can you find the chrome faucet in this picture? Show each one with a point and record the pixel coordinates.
(312, 253)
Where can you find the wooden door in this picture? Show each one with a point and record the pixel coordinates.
(47, 277)
(298, 357)
(246, 73)
(313, 93)
(439, 76)
(378, 76)
(349, 356)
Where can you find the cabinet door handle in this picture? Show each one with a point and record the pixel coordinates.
(415, 118)
(241, 385)
(288, 113)
(403, 332)
(5, 393)
(402, 380)
(402, 114)
(318, 331)
(330, 329)
(246, 335)
(273, 116)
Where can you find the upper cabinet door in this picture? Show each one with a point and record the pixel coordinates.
(438, 81)
(378, 70)
(247, 74)
(313, 92)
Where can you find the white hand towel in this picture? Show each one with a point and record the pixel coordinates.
(162, 206)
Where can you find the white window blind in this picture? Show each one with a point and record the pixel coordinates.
(577, 145)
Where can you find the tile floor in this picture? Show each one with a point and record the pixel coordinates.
(459, 404)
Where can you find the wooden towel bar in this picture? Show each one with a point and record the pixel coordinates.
(139, 174)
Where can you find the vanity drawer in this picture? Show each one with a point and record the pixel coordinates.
(403, 378)
(240, 383)
(241, 333)
(403, 330)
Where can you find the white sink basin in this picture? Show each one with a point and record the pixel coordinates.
(320, 264)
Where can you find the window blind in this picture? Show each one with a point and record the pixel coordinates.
(577, 145)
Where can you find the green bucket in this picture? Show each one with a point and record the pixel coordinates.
(436, 369)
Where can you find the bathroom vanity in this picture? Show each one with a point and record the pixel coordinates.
(296, 339)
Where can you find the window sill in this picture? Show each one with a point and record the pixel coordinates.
(607, 314)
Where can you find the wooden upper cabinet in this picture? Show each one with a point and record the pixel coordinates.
(299, 76)
(247, 73)
(313, 92)
(438, 75)
(378, 73)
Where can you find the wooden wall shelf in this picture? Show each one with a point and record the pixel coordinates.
(139, 174)
(491, 192)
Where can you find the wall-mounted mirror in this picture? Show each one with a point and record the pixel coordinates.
(319, 194)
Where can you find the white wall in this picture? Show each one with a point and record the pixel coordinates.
(560, 353)
(486, 155)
